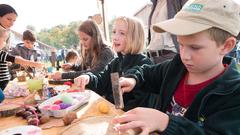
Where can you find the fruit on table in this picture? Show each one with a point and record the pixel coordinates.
(103, 107)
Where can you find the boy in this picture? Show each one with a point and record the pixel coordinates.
(25, 50)
(200, 88)
(72, 57)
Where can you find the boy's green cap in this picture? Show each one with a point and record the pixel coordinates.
(199, 15)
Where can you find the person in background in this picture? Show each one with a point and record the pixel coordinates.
(162, 46)
(53, 57)
(6, 57)
(25, 50)
(200, 87)
(238, 52)
(72, 57)
(128, 41)
(95, 53)
(8, 16)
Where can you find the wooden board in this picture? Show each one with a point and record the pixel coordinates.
(100, 125)
(8, 109)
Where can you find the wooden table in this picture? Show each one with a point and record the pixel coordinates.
(85, 111)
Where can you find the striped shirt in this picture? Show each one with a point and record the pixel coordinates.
(4, 58)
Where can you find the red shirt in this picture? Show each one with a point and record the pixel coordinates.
(185, 94)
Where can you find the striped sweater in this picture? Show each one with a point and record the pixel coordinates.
(4, 58)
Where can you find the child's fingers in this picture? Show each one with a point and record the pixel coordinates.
(123, 118)
(131, 125)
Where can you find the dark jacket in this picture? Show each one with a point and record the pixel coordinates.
(24, 52)
(215, 109)
(106, 55)
(101, 83)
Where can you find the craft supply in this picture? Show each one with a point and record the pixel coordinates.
(66, 99)
(103, 107)
(33, 121)
(55, 107)
(64, 105)
(57, 102)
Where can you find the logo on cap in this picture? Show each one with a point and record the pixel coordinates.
(193, 7)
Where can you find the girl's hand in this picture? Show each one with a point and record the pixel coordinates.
(67, 66)
(56, 76)
(82, 81)
(127, 84)
(147, 119)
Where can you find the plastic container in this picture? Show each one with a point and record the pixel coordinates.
(81, 98)
(35, 84)
(22, 130)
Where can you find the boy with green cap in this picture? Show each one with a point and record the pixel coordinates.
(200, 88)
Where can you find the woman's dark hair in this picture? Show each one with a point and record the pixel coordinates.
(91, 28)
(6, 9)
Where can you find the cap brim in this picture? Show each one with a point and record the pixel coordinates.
(180, 27)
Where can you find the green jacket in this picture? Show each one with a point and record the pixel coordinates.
(215, 109)
(101, 83)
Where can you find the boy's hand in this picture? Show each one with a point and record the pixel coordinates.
(140, 118)
(127, 84)
(37, 65)
(56, 76)
(67, 66)
(24, 62)
(82, 81)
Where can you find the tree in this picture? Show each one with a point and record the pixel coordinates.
(60, 35)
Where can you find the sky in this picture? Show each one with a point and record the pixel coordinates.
(48, 13)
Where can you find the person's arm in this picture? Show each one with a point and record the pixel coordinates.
(24, 62)
(105, 57)
(6, 57)
(15, 52)
(75, 67)
(158, 121)
(150, 74)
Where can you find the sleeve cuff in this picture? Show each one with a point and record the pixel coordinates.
(172, 126)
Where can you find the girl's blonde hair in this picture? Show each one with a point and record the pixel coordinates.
(135, 34)
(91, 28)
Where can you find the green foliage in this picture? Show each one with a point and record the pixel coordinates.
(61, 35)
